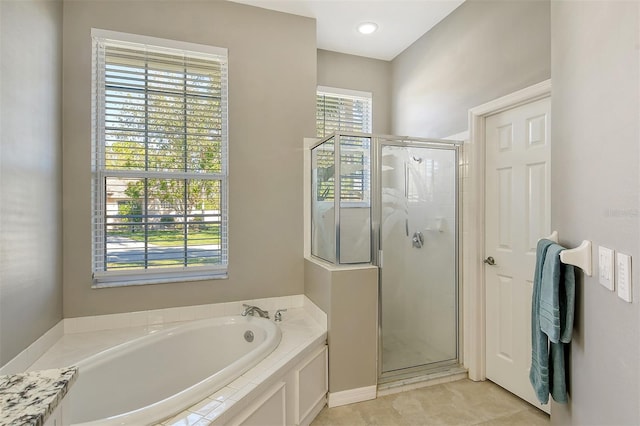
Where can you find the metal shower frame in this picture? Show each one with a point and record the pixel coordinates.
(375, 214)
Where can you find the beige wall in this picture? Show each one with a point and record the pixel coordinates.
(349, 297)
(30, 186)
(359, 73)
(595, 70)
(317, 284)
(483, 50)
(272, 81)
(353, 329)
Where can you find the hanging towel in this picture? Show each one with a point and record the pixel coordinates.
(539, 372)
(552, 314)
(557, 297)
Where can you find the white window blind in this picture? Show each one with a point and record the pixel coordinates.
(342, 110)
(159, 160)
(348, 111)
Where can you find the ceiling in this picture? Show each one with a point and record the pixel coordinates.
(400, 22)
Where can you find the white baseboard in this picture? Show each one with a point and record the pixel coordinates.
(24, 359)
(350, 396)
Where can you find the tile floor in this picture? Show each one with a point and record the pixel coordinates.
(463, 402)
(400, 350)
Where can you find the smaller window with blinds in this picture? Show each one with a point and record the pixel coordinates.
(343, 110)
(159, 167)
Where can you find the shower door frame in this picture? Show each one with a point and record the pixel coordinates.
(378, 141)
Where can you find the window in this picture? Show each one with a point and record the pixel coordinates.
(159, 165)
(347, 111)
(342, 110)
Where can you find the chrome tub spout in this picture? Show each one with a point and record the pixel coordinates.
(252, 310)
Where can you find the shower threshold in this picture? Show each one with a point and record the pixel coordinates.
(419, 377)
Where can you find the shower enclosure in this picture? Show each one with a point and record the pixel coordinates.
(393, 202)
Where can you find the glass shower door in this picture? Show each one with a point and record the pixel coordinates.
(418, 240)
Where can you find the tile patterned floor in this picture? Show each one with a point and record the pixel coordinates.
(463, 402)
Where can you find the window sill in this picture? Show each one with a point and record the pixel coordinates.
(106, 281)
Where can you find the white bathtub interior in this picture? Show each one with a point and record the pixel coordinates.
(181, 359)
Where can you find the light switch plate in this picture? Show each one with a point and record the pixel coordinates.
(623, 275)
(605, 267)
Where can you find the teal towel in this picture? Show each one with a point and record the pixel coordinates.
(539, 372)
(557, 297)
(553, 307)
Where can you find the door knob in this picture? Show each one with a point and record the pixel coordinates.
(490, 261)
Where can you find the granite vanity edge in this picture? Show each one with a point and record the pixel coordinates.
(30, 398)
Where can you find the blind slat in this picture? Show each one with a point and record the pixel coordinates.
(335, 113)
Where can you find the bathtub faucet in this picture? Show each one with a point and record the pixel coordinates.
(251, 310)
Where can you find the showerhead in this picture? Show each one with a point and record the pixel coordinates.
(417, 159)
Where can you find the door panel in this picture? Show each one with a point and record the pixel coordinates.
(517, 214)
(505, 340)
(505, 189)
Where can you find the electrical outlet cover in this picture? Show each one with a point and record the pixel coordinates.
(605, 267)
(623, 275)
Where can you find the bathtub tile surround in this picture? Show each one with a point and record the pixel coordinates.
(34, 351)
(138, 323)
(168, 315)
(30, 398)
(303, 331)
(300, 337)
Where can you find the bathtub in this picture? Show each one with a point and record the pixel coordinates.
(153, 377)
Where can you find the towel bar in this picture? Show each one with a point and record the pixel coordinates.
(579, 256)
(553, 237)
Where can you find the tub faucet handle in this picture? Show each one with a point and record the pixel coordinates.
(278, 316)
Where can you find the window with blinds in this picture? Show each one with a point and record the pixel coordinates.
(159, 160)
(341, 110)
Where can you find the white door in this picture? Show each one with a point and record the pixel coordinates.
(517, 214)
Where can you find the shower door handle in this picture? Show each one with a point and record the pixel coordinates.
(490, 261)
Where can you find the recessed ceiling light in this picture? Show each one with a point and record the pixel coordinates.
(367, 27)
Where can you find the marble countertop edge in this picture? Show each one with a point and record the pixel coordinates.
(30, 398)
